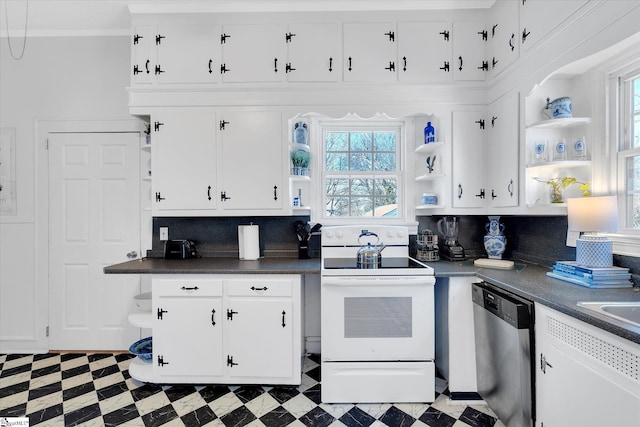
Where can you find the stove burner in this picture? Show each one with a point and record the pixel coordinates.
(387, 263)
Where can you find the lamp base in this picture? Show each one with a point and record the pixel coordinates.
(594, 251)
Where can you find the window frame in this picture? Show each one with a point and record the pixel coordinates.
(353, 123)
(626, 241)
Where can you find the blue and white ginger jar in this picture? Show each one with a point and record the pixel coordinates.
(495, 242)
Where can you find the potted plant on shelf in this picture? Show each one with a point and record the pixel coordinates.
(557, 186)
(300, 161)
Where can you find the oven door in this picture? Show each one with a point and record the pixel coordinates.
(377, 318)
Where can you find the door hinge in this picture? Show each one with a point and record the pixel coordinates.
(161, 361)
(230, 361)
(230, 314)
(47, 331)
(160, 313)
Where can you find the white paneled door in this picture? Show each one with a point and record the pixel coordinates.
(94, 221)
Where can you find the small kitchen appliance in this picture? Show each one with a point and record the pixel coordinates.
(378, 324)
(450, 248)
(179, 249)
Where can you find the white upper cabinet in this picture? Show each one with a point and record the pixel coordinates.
(424, 51)
(142, 55)
(187, 54)
(253, 53)
(504, 41)
(468, 146)
(369, 52)
(469, 44)
(314, 53)
(503, 161)
(184, 161)
(252, 171)
(175, 54)
(539, 17)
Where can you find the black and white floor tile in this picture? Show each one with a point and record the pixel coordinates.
(95, 389)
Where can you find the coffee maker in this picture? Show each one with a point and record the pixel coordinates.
(450, 248)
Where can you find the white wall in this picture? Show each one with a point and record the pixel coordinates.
(59, 78)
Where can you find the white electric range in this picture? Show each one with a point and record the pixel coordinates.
(377, 323)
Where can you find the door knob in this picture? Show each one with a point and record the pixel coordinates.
(132, 255)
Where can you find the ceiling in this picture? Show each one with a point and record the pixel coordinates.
(112, 17)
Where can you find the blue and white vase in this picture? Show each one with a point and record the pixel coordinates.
(495, 242)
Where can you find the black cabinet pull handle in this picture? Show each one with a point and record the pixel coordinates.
(275, 192)
(330, 65)
(493, 121)
(511, 42)
(213, 316)
(253, 288)
(209, 192)
(186, 288)
(210, 63)
(460, 59)
(283, 320)
(275, 64)
(404, 63)
(349, 63)
(459, 191)
(146, 66)
(493, 30)
(493, 194)
(510, 188)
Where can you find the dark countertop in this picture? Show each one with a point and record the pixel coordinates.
(530, 282)
(216, 266)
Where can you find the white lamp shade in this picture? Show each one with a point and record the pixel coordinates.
(593, 214)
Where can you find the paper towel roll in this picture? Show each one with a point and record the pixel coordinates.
(249, 242)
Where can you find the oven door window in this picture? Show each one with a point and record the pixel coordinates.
(377, 317)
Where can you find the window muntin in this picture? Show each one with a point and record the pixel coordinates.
(361, 171)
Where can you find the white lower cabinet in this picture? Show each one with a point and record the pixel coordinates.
(584, 376)
(231, 329)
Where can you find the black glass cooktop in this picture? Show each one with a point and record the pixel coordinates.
(348, 263)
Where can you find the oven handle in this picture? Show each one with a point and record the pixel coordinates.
(367, 281)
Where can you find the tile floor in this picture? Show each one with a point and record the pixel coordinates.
(95, 389)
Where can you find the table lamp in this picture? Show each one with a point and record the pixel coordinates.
(590, 215)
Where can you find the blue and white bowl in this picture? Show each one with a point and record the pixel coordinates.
(142, 349)
(561, 108)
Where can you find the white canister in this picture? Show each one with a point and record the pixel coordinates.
(249, 242)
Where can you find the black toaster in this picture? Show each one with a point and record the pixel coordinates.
(179, 249)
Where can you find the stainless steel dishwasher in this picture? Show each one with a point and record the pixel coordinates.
(503, 325)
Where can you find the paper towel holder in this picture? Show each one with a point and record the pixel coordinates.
(249, 242)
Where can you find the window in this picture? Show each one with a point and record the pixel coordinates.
(361, 170)
(629, 146)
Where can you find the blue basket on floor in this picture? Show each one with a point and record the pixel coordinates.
(142, 349)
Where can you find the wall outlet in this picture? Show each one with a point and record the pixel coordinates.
(164, 233)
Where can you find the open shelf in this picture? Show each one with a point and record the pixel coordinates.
(565, 164)
(429, 177)
(140, 319)
(427, 148)
(560, 123)
(429, 207)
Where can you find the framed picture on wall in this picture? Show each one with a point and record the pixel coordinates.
(8, 171)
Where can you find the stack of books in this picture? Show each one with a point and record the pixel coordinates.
(591, 277)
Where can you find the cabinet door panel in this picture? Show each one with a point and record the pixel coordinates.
(188, 54)
(142, 55)
(504, 44)
(314, 53)
(467, 152)
(184, 162)
(468, 51)
(504, 143)
(252, 171)
(369, 52)
(186, 337)
(254, 53)
(260, 337)
(424, 50)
